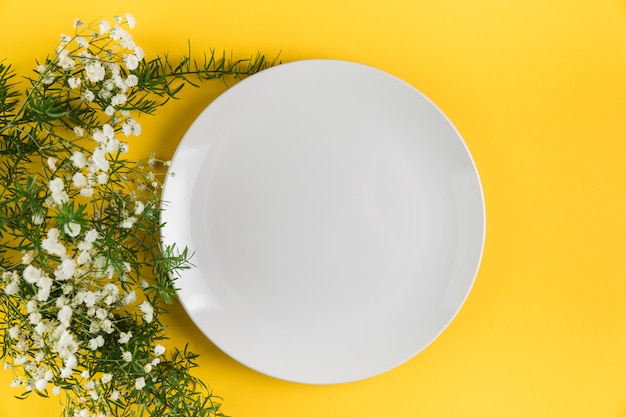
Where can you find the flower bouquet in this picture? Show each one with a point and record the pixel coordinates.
(84, 277)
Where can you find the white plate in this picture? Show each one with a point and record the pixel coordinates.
(336, 217)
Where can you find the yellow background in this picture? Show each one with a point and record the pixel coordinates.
(538, 90)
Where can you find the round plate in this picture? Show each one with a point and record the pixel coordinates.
(336, 219)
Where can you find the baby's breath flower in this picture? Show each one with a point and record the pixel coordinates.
(127, 356)
(159, 350)
(125, 337)
(104, 27)
(140, 383)
(147, 310)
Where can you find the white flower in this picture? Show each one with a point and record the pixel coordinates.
(78, 159)
(21, 359)
(79, 180)
(83, 257)
(131, 80)
(118, 99)
(78, 23)
(56, 390)
(65, 61)
(88, 95)
(65, 315)
(106, 378)
(65, 270)
(57, 188)
(96, 342)
(147, 310)
(72, 229)
(15, 382)
(109, 111)
(52, 163)
(139, 52)
(131, 61)
(140, 383)
(86, 192)
(115, 395)
(38, 219)
(95, 72)
(155, 361)
(104, 27)
(90, 299)
(127, 356)
(41, 384)
(131, 127)
(51, 243)
(99, 159)
(129, 298)
(47, 76)
(102, 178)
(12, 288)
(139, 207)
(14, 332)
(44, 283)
(34, 318)
(130, 20)
(27, 258)
(128, 222)
(159, 350)
(31, 306)
(73, 82)
(82, 42)
(92, 235)
(147, 368)
(125, 337)
(80, 132)
(31, 274)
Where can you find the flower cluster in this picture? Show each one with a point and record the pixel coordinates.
(79, 226)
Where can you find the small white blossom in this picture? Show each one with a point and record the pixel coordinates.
(159, 350)
(79, 180)
(139, 207)
(65, 270)
(45, 284)
(131, 80)
(125, 337)
(129, 298)
(31, 274)
(65, 315)
(140, 383)
(131, 61)
(96, 342)
(27, 258)
(104, 27)
(109, 111)
(118, 99)
(130, 20)
(56, 390)
(14, 332)
(52, 163)
(95, 72)
(147, 368)
(147, 310)
(115, 395)
(88, 95)
(106, 378)
(73, 82)
(127, 356)
(51, 243)
(38, 219)
(128, 222)
(72, 229)
(65, 62)
(82, 42)
(86, 192)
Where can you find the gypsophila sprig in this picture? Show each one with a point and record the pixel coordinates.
(79, 226)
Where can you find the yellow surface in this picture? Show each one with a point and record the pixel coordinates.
(538, 90)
